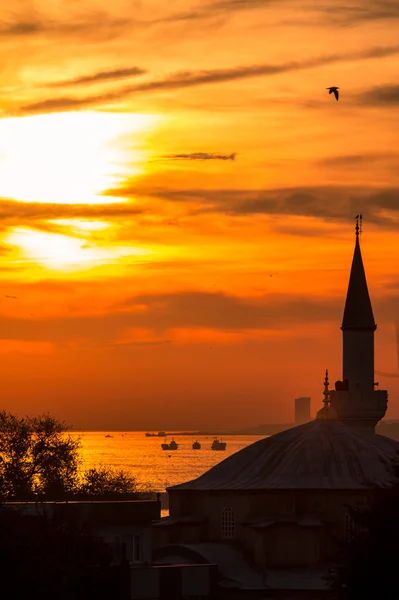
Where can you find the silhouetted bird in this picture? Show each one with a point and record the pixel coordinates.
(13, 297)
(334, 90)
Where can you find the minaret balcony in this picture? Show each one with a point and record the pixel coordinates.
(356, 405)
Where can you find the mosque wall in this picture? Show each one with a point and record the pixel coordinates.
(275, 528)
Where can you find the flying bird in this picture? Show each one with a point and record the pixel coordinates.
(13, 297)
(334, 90)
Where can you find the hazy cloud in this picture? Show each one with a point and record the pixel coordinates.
(140, 343)
(191, 309)
(353, 160)
(358, 11)
(100, 77)
(225, 312)
(20, 28)
(188, 79)
(385, 374)
(383, 95)
(201, 156)
(36, 211)
(96, 24)
(327, 202)
(339, 13)
(221, 7)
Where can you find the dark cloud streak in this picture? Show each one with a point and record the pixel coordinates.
(353, 160)
(359, 11)
(336, 14)
(187, 79)
(100, 77)
(35, 211)
(328, 202)
(201, 156)
(94, 25)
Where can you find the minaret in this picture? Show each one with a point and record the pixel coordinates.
(358, 327)
(327, 413)
(355, 400)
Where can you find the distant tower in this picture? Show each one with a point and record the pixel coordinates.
(355, 400)
(302, 410)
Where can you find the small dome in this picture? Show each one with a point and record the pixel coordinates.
(327, 413)
(322, 454)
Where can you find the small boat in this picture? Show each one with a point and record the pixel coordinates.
(171, 446)
(218, 445)
(196, 445)
(108, 435)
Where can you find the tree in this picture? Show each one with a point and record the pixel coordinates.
(104, 483)
(40, 461)
(37, 458)
(368, 566)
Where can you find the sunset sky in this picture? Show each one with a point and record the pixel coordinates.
(177, 202)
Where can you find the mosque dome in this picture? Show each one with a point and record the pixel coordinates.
(322, 454)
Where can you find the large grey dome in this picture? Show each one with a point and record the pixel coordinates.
(317, 455)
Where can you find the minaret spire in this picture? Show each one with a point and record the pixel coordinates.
(358, 313)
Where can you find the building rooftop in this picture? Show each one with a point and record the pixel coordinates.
(236, 572)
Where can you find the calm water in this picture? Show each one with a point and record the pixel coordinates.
(153, 467)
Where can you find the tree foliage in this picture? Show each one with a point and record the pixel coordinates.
(39, 460)
(104, 483)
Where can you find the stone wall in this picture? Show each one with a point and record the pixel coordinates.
(274, 528)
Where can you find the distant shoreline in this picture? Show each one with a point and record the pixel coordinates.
(390, 428)
(218, 432)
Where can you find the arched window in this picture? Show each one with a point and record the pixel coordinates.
(228, 523)
(352, 526)
(349, 527)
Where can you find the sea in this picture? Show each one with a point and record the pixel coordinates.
(153, 468)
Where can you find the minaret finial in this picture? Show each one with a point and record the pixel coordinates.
(326, 392)
(357, 228)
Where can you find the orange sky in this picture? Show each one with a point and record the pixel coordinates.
(137, 251)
